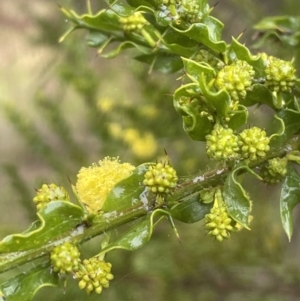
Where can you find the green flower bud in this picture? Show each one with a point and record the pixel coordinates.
(160, 178)
(48, 193)
(65, 258)
(236, 79)
(191, 11)
(222, 144)
(207, 57)
(280, 74)
(134, 22)
(218, 222)
(207, 195)
(94, 275)
(274, 170)
(254, 143)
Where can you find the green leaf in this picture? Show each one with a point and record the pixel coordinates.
(122, 9)
(136, 237)
(283, 28)
(96, 38)
(288, 125)
(24, 286)
(236, 198)
(194, 70)
(191, 209)
(219, 100)
(163, 62)
(129, 192)
(237, 51)
(207, 33)
(125, 45)
(137, 3)
(238, 117)
(289, 198)
(178, 49)
(105, 20)
(259, 94)
(195, 124)
(55, 219)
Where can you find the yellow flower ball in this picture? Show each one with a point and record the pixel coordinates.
(95, 182)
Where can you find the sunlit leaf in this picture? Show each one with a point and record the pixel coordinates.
(55, 219)
(128, 193)
(137, 236)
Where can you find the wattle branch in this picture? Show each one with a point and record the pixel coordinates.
(184, 200)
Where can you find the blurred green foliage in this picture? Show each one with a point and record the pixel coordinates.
(92, 108)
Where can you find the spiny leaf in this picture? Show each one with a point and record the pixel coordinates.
(125, 45)
(128, 192)
(208, 34)
(259, 94)
(287, 123)
(196, 125)
(190, 209)
(289, 198)
(163, 62)
(24, 286)
(238, 117)
(55, 219)
(137, 236)
(194, 70)
(237, 51)
(219, 100)
(236, 198)
(286, 29)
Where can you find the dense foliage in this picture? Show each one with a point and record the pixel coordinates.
(221, 83)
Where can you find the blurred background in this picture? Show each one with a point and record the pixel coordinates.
(63, 107)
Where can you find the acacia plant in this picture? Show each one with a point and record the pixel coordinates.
(221, 83)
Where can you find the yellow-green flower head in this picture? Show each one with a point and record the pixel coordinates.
(280, 74)
(254, 143)
(95, 182)
(94, 275)
(134, 22)
(274, 170)
(222, 144)
(48, 193)
(236, 79)
(218, 222)
(65, 258)
(161, 178)
(191, 11)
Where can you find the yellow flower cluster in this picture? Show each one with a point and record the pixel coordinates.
(143, 145)
(95, 182)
